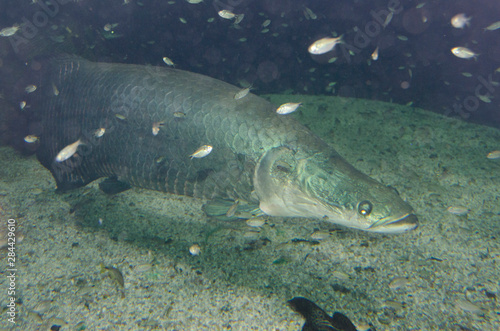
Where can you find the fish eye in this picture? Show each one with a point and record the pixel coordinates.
(283, 166)
(365, 208)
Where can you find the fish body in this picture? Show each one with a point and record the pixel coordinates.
(288, 108)
(458, 210)
(309, 14)
(31, 139)
(229, 15)
(493, 26)
(202, 152)
(388, 19)
(493, 155)
(459, 21)
(179, 114)
(168, 61)
(270, 161)
(375, 54)
(10, 31)
(68, 151)
(242, 93)
(30, 88)
(55, 90)
(317, 319)
(324, 45)
(99, 132)
(156, 127)
(463, 53)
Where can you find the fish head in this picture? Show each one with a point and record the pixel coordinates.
(323, 186)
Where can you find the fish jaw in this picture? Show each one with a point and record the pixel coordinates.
(403, 224)
(288, 185)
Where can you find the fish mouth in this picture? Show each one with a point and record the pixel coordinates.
(406, 223)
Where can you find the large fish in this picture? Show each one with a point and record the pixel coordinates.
(257, 156)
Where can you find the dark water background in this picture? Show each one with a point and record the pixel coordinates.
(420, 71)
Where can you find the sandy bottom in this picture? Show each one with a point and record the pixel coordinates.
(443, 275)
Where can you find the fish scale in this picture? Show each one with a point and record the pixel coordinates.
(257, 155)
(91, 94)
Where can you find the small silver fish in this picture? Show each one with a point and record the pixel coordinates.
(232, 210)
(493, 155)
(99, 132)
(239, 18)
(255, 222)
(324, 45)
(459, 21)
(457, 210)
(31, 138)
(227, 14)
(288, 108)
(114, 273)
(484, 98)
(156, 127)
(110, 26)
(68, 151)
(463, 53)
(466, 305)
(388, 19)
(179, 114)
(375, 54)
(10, 31)
(168, 61)
(309, 14)
(493, 26)
(195, 250)
(30, 88)
(55, 90)
(202, 152)
(398, 282)
(22, 104)
(242, 93)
